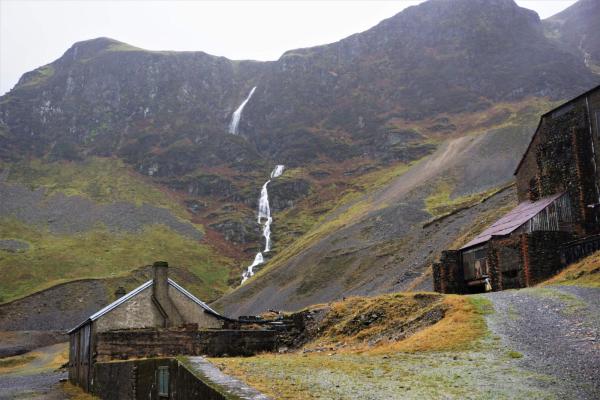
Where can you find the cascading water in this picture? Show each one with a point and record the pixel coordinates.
(237, 114)
(277, 171)
(264, 213)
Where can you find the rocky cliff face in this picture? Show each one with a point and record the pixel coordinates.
(167, 113)
(576, 28)
(443, 56)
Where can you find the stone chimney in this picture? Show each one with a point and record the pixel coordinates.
(160, 295)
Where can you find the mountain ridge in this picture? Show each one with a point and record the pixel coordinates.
(347, 119)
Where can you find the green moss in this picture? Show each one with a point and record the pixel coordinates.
(442, 203)
(123, 47)
(39, 75)
(514, 354)
(17, 360)
(571, 303)
(104, 180)
(483, 306)
(100, 253)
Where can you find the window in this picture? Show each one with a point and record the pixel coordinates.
(163, 381)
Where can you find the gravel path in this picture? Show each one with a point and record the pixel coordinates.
(35, 386)
(557, 329)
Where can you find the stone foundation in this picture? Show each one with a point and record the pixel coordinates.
(138, 380)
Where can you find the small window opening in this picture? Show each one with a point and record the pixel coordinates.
(163, 381)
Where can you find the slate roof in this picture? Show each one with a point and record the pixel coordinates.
(513, 220)
(139, 289)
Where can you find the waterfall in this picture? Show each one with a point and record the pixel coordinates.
(237, 114)
(277, 171)
(250, 271)
(264, 213)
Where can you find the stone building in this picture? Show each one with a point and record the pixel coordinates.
(557, 219)
(159, 303)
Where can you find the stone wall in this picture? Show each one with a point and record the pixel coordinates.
(574, 251)
(137, 380)
(505, 263)
(139, 343)
(542, 255)
(192, 312)
(515, 261)
(562, 158)
(448, 274)
(141, 312)
(136, 312)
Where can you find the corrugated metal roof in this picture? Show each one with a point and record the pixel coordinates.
(513, 220)
(137, 290)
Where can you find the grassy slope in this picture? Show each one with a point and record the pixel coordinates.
(103, 180)
(328, 210)
(583, 273)
(98, 253)
(449, 359)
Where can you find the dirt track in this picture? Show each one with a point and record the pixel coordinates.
(37, 379)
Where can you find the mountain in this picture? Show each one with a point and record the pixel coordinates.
(388, 136)
(576, 28)
(103, 97)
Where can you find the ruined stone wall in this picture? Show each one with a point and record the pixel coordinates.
(136, 312)
(171, 342)
(515, 261)
(191, 312)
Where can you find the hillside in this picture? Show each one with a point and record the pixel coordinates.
(63, 221)
(395, 141)
(576, 28)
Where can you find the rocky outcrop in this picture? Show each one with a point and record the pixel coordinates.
(285, 193)
(239, 231)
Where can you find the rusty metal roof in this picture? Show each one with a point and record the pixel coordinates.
(513, 220)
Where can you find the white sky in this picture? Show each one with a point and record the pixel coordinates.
(36, 32)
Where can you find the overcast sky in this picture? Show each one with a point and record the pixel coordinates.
(36, 32)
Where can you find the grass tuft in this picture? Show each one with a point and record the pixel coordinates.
(583, 273)
(514, 354)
